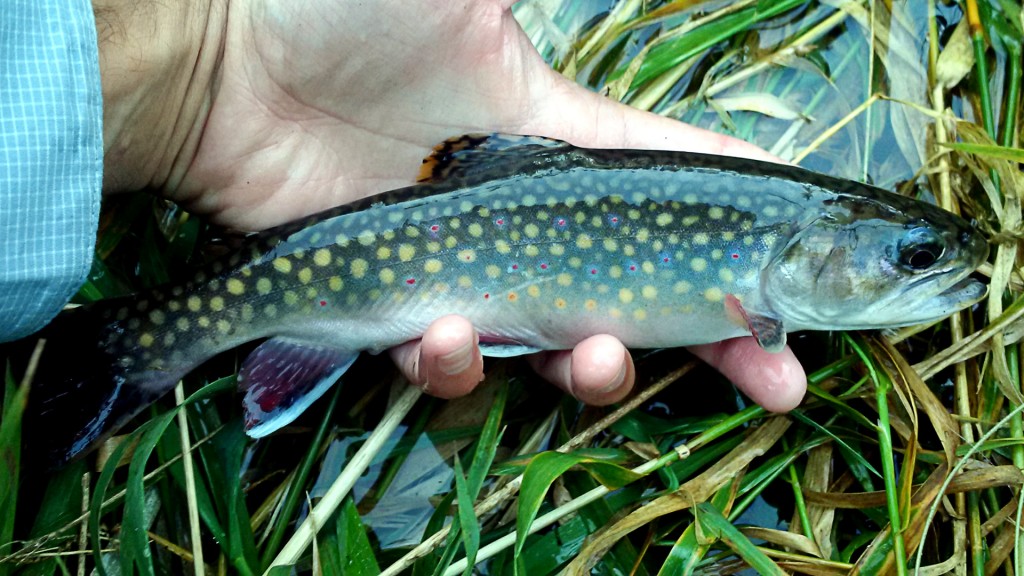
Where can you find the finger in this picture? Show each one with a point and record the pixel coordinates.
(446, 361)
(599, 371)
(775, 381)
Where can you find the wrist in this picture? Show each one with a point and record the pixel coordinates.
(157, 65)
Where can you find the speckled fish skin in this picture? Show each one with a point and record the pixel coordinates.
(540, 245)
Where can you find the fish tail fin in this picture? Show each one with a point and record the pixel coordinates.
(77, 395)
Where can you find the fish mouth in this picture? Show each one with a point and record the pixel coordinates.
(960, 295)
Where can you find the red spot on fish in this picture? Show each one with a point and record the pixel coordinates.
(500, 221)
(615, 219)
(515, 266)
(560, 222)
(632, 267)
(543, 266)
(434, 228)
(323, 302)
(666, 259)
(735, 256)
(593, 270)
(487, 296)
(410, 281)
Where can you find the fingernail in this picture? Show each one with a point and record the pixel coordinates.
(617, 381)
(457, 361)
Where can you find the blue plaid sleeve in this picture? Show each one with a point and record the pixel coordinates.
(51, 158)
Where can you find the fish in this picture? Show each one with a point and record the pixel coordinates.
(540, 244)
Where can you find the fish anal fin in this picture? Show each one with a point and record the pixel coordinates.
(466, 155)
(282, 377)
(769, 332)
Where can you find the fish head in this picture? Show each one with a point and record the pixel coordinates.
(875, 261)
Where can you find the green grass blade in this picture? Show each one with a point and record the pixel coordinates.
(713, 524)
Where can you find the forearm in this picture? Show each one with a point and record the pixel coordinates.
(158, 61)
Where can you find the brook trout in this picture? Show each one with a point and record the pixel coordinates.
(540, 244)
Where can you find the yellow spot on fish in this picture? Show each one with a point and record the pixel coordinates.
(640, 314)
(748, 240)
(359, 268)
(492, 271)
(615, 313)
(698, 264)
(388, 235)
(681, 287)
(465, 282)
(633, 213)
(433, 247)
(412, 232)
(583, 241)
(483, 212)
(223, 326)
(615, 272)
(282, 265)
(263, 286)
(564, 279)
(247, 313)
(716, 254)
(156, 317)
(386, 275)
(770, 211)
(341, 240)
(642, 235)
(590, 305)
(194, 303)
(270, 310)
(531, 250)
(502, 247)
(647, 267)
(728, 235)
(406, 252)
(468, 255)
(174, 305)
(629, 250)
(610, 244)
(451, 242)
(663, 219)
(716, 212)
(383, 253)
(700, 238)
(217, 304)
(625, 295)
(335, 283)
(367, 237)
(533, 290)
(726, 275)
(305, 275)
(235, 286)
(146, 340)
(690, 220)
(182, 324)
(557, 249)
(560, 303)
(713, 294)
(475, 230)
(531, 230)
(169, 339)
(203, 322)
(322, 257)
(291, 298)
(512, 297)
(649, 292)
(432, 266)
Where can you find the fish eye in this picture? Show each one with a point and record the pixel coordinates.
(920, 249)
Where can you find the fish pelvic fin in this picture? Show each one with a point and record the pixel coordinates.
(471, 155)
(282, 377)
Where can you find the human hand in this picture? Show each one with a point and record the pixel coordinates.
(315, 104)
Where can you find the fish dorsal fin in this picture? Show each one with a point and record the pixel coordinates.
(768, 331)
(471, 154)
(282, 377)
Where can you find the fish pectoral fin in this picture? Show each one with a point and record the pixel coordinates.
(471, 154)
(506, 349)
(768, 331)
(282, 377)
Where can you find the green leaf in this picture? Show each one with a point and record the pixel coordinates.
(989, 150)
(713, 525)
(15, 399)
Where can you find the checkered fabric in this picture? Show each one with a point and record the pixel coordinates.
(51, 158)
